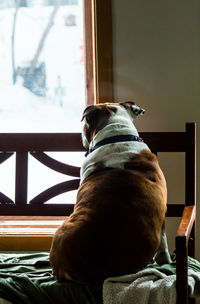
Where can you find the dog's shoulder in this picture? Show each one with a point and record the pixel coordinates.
(144, 156)
(146, 163)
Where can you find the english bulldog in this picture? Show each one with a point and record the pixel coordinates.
(117, 226)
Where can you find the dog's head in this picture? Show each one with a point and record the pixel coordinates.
(96, 117)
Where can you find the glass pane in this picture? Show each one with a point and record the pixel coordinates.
(42, 85)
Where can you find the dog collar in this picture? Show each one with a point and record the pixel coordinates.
(114, 139)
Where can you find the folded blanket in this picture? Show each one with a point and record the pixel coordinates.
(148, 286)
(152, 285)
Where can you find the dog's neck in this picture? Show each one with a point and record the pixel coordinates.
(111, 133)
(111, 155)
(115, 139)
(114, 128)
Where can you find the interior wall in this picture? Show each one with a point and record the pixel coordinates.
(156, 48)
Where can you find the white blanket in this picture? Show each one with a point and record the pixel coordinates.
(148, 286)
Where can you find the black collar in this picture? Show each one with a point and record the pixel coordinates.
(115, 139)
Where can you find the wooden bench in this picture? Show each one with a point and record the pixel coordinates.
(30, 225)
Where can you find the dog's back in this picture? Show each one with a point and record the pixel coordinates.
(116, 225)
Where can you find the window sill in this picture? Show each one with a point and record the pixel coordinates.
(22, 233)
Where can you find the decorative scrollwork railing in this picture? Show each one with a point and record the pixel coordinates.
(4, 199)
(36, 145)
(56, 165)
(4, 156)
(54, 191)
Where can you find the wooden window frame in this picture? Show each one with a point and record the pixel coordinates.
(98, 51)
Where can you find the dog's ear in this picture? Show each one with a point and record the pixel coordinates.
(89, 114)
(133, 108)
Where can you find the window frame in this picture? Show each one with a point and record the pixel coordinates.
(98, 51)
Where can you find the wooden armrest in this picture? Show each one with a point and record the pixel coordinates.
(182, 237)
(187, 221)
(22, 233)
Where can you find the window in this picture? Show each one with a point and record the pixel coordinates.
(52, 100)
(49, 55)
(42, 81)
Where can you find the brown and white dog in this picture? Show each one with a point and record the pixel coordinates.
(118, 218)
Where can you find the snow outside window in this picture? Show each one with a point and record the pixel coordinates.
(42, 86)
(42, 81)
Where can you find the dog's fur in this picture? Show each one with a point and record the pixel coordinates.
(116, 225)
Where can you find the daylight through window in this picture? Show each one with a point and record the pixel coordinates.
(42, 81)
